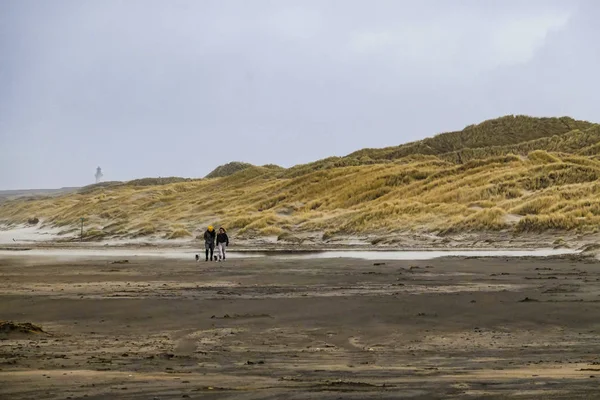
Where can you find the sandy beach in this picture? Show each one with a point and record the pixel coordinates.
(250, 328)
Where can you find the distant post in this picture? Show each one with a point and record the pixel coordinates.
(81, 236)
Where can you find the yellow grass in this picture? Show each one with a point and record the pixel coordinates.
(178, 234)
(548, 190)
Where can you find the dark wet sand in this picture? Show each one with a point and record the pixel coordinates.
(301, 329)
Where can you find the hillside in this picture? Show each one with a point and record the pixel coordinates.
(235, 166)
(502, 131)
(483, 140)
(228, 169)
(14, 194)
(513, 174)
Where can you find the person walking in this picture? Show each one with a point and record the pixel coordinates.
(209, 242)
(222, 243)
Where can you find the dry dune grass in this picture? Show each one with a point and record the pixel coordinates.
(518, 187)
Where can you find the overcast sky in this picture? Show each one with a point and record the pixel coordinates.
(174, 88)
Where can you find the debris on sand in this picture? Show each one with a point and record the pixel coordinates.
(422, 314)
(223, 292)
(15, 327)
(261, 362)
(345, 385)
(215, 388)
(120, 262)
(15, 248)
(378, 264)
(227, 316)
(528, 300)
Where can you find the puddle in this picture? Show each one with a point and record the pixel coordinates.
(428, 254)
(282, 255)
(126, 254)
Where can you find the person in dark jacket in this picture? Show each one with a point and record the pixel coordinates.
(209, 242)
(222, 243)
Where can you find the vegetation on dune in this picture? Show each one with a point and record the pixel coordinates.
(135, 182)
(584, 142)
(497, 132)
(527, 175)
(157, 181)
(502, 136)
(178, 234)
(273, 166)
(228, 169)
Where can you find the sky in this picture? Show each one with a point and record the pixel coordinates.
(147, 88)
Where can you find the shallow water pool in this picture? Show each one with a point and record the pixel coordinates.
(428, 254)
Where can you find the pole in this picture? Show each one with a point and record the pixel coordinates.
(81, 237)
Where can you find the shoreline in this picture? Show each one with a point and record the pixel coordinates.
(128, 254)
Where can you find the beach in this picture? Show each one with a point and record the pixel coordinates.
(249, 328)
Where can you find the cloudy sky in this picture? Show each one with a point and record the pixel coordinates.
(175, 88)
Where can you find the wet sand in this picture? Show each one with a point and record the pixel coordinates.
(266, 328)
